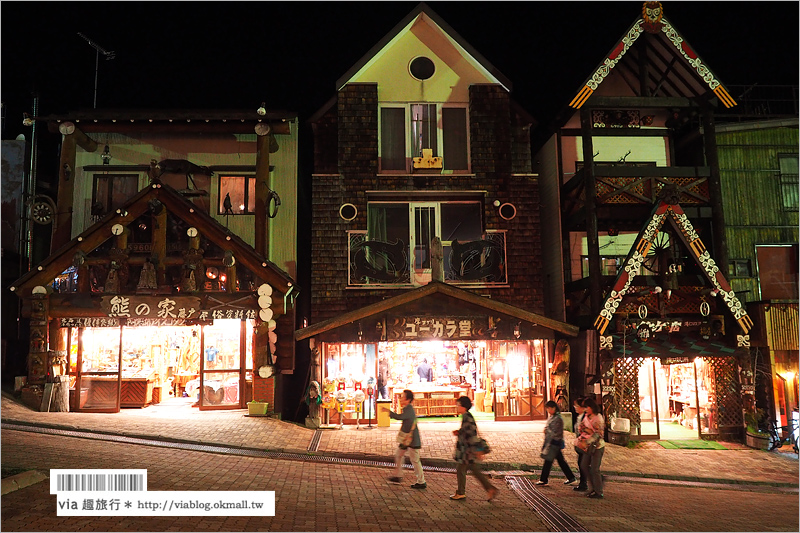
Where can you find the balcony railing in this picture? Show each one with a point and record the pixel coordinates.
(389, 264)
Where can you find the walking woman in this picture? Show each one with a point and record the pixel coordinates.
(466, 454)
(553, 444)
(580, 411)
(591, 441)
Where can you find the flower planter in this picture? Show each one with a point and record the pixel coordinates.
(759, 442)
(257, 408)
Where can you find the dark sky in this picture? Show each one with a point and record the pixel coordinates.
(289, 54)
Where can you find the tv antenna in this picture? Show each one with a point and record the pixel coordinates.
(109, 55)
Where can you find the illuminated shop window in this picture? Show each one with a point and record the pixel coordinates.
(237, 195)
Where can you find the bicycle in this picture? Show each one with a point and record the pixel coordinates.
(789, 431)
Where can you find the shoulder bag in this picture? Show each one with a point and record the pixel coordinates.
(404, 439)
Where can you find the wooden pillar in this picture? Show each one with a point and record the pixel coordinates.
(590, 206)
(159, 239)
(715, 189)
(62, 227)
(230, 281)
(262, 194)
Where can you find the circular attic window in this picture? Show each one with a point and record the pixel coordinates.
(348, 212)
(508, 211)
(422, 68)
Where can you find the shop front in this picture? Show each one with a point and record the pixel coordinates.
(184, 310)
(673, 386)
(116, 363)
(440, 342)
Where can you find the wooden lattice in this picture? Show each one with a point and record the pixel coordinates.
(727, 391)
(623, 402)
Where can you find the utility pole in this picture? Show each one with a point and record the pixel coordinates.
(109, 55)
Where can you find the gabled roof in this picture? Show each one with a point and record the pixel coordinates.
(423, 8)
(674, 67)
(428, 291)
(670, 210)
(178, 206)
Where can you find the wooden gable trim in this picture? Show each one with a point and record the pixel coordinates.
(178, 206)
(674, 213)
(225, 239)
(422, 7)
(672, 36)
(87, 241)
(432, 288)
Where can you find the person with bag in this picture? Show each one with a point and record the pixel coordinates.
(470, 449)
(408, 440)
(553, 444)
(591, 442)
(580, 411)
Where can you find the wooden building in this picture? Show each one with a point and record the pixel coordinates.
(426, 269)
(636, 147)
(758, 151)
(173, 259)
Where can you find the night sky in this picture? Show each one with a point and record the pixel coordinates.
(234, 55)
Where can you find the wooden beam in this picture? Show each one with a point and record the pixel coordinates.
(616, 102)
(62, 225)
(618, 132)
(590, 195)
(231, 126)
(715, 189)
(262, 196)
(627, 171)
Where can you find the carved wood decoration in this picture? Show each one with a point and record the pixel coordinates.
(652, 22)
(686, 233)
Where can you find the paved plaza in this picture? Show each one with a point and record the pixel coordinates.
(649, 488)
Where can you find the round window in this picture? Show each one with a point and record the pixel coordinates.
(348, 212)
(422, 68)
(507, 211)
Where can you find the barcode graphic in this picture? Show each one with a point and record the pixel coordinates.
(98, 480)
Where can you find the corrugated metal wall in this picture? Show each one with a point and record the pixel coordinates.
(782, 326)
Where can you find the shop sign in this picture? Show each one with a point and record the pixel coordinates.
(675, 360)
(669, 326)
(89, 322)
(417, 328)
(170, 309)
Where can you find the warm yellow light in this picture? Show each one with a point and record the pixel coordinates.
(788, 376)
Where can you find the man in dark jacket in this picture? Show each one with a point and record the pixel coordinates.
(409, 418)
(425, 371)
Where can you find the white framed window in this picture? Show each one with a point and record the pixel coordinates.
(416, 224)
(408, 129)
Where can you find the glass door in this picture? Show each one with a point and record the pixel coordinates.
(425, 225)
(649, 396)
(98, 369)
(516, 373)
(224, 364)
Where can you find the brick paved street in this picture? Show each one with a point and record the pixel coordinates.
(321, 497)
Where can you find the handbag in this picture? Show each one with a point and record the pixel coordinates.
(404, 439)
(550, 453)
(482, 447)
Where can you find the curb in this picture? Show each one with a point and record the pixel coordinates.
(429, 462)
(22, 480)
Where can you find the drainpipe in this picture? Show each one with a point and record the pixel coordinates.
(29, 191)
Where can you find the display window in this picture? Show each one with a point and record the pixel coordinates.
(507, 378)
(145, 365)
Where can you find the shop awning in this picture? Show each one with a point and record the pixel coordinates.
(686, 344)
(439, 299)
